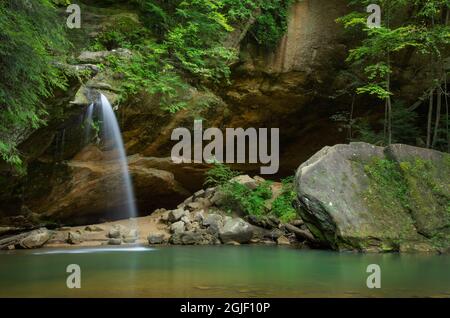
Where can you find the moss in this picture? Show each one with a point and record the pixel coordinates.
(412, 197)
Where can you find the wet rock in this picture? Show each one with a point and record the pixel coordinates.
(299, 233)
(154, 239)
(234, 243)
(275, 234)
(262, 221)
(283, 240)
(115, 241)
(193, 237)
(236, 230)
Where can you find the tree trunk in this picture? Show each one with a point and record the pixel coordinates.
(430, 115)
(389, 121)
(438, 117)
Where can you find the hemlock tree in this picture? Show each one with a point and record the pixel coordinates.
(30, 35)
(420, 26)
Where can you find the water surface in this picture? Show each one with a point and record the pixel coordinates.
(219, 271)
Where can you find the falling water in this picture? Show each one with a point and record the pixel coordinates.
(88, 123)
(113, 137)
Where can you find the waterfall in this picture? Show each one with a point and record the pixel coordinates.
(113, 138)
(88, 120)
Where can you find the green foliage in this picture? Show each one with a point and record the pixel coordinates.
(30, 37)
(282, 206)
(219, 174)
(272, 23)
(422, 32)
(239, 197)
(405, 128)
(185, 46)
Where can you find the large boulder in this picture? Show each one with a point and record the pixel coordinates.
(368, 198)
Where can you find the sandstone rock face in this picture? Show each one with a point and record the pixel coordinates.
(93, 189)
(368, 198)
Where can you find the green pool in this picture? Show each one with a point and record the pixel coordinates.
(219, 271)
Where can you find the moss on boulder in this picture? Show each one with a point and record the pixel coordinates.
(367, 198)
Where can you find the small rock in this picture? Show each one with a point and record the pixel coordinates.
(176, 215)
(297, 223)
(198, 194)
(164, 217)
(236, 230)
(199, 216)
(275, 234)
(283, 240)
(186, 219)
(115, 241)
(218, 198)
(250, 183)
(93, 228)
(259, 179)
(300, 234)
(118, 231)
(156, 239)
(74, 238)
(210, 192)
(177, 227)
(194, 206)
(214, 222)
(234, 243)
(130, 239)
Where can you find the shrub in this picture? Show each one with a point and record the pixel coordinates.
(30, 38)
(219, 175)
(239, 197)
(282, 206)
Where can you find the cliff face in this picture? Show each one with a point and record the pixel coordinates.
(287, 88)
(292, 88)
